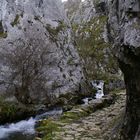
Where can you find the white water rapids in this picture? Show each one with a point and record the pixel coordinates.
(24, 130)
(25, 127)
(99, 86)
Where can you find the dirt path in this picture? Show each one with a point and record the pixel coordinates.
(96, 126)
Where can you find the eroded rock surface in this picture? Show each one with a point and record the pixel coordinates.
(38, 61)
(89, 19)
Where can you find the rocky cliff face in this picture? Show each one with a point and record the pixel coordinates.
(71, 7)
(124, 30)
(89, 20)
(82, 12)
(38, 60)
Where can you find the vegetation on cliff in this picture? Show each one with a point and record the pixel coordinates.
(89, 31)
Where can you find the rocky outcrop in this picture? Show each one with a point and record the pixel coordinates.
(38, 61)
(124, 30)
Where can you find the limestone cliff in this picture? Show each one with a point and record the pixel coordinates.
(38, 61)
(89, 22)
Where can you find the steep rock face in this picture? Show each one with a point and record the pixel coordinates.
(37, 58)
(89, 20)
(71, 7)
(124, 30)
(84, 12)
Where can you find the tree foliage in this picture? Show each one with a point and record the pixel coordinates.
(98, 59)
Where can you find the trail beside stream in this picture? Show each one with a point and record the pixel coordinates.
(96, 126)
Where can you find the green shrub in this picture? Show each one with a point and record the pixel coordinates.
(48, 127)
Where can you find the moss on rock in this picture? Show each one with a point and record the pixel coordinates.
(55, 30)
(48, 129)
(13, 111)
(16, 21)
(3, 34)
(96, 53)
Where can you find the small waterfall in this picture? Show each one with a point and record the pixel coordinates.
(99, 86)
(85, 100)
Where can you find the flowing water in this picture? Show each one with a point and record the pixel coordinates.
(25, 129)
(99, 86)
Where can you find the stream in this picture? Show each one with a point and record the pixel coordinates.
(25, 129)
(99, 86)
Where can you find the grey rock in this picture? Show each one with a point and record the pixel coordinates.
(89, 20)
(38, 61)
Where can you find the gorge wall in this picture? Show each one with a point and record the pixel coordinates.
(38, 61)
(89, 22)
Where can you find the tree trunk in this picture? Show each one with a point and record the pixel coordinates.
(132, 115)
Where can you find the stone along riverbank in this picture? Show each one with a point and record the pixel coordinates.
(93, 121)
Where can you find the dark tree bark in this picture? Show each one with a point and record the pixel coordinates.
(123, 18)
(132, 115)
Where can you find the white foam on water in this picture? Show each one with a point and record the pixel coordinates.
(85, 100)
(25, 126)
(54, 112)
(99, 94)
(99, 85)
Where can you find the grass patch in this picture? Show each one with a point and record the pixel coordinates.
(48, 128)
(115, 91)
(7, 109)
(3, 35)
(51, 128)
(69, 117)
(16, 21)
(55, 30)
